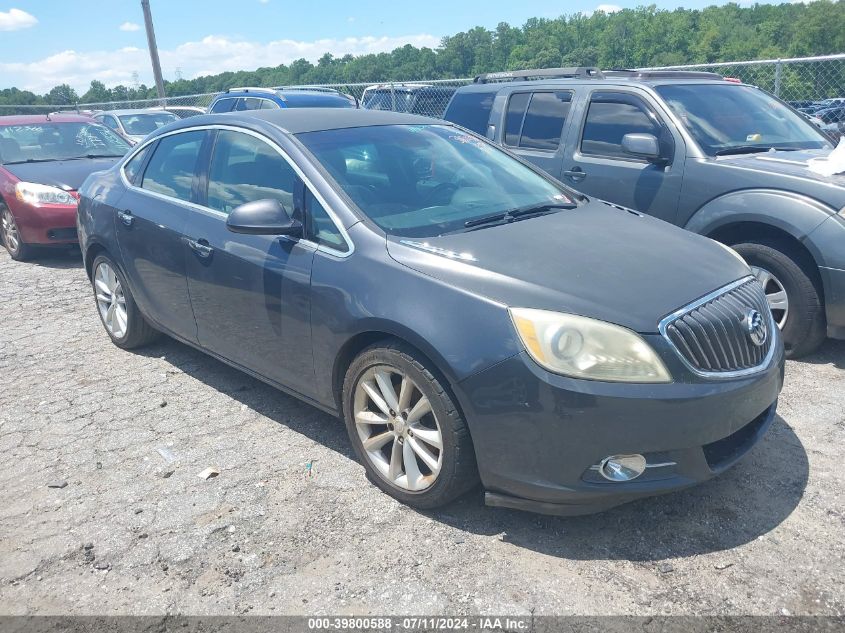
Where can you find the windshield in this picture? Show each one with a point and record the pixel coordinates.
(427, 180)
(143, 124)
(722, 117)
(58, 141)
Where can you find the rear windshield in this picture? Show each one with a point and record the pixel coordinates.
(471, 110)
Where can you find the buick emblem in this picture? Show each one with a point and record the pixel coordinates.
(755, 326)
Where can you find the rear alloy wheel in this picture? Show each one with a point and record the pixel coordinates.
(405, 428)
(12, 237)
(794, 297)
(124, 323)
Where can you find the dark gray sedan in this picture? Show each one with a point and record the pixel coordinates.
(467, 316)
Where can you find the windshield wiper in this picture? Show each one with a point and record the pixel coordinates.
(513, 214)
(751, 149)
(93, 156)
(30, 160)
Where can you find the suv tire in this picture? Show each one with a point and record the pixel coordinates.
(805, 327)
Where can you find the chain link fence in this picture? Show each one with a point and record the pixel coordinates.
(796, 80)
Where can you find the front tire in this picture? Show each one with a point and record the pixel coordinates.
(11, 236)
(406, 430)
(118, 312)
(793, 295)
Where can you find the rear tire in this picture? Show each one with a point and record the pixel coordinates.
(11, 237)
(804, 328)
(424, 460)
(120, 316)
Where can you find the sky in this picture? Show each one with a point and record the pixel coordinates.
(44, 43)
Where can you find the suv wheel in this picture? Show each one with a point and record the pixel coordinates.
(793, 296)
(11, 236)
(124, 323)
(406, 429)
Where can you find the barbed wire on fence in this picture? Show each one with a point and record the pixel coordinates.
(793, 79)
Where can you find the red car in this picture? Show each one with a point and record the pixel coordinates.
(44, 159)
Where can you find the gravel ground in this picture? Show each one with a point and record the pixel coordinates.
(291, 525)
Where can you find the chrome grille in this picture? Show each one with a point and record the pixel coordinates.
(712, 335)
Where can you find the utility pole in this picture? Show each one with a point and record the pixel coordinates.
(151, 42)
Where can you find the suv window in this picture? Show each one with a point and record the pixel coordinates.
(171, 169)
(266, 104)
(471, 110)
(539, 126)
(320, 228)
(610, 117)
(248, 103)
(222, 105)
(243, 169)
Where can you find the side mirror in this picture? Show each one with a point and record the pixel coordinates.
(263, 217)
(642, 146)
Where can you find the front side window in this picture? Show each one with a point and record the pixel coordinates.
(110, 122)
(535, 121)
(222, 105)
(132, 169)
(427, 180)
(319, 227)
(171, 169)
(144, 123)
(244, 169)
(58, 141)
(609, 118)
(726, 118)
(471, 110)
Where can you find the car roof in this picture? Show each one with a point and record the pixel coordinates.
(299, 120)
(128, 111)
(31, 119)
(293, 97)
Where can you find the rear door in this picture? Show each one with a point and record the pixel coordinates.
(251, 293)
(149, 226)
(595, 163)
(534, 123)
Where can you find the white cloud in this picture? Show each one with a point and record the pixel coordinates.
(130, 26)
(609, 8)
(15, 20)
(211, 55)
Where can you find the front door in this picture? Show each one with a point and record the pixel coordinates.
(251, 293)
(596, 164)
(149, 225)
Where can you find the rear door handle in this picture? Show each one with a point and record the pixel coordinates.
(576, 174)
(200, 247)
(126, 217)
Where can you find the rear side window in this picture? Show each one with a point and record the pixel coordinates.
(223, 105)
(171, 169)
(471, 110)
(248, 103)
(535, 121)
(266, 104)
(244, 169)
(132, 169)
(612, 116)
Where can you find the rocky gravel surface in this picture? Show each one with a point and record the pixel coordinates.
(102, 510)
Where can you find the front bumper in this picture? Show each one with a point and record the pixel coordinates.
(538, 436)
(47, 224)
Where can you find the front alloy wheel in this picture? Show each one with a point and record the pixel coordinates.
(405, 427)
(398, 430)
(11, 236)
(775, 294)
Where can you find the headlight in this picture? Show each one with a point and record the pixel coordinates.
(33, 193)
(587, 348)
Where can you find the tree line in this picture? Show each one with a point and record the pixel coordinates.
(645, 36)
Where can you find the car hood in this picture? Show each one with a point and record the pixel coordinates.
(598, 261)
(64, 174)
(793, 164)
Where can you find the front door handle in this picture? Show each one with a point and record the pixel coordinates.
(576, 174)
(126, 217)
(200, 247)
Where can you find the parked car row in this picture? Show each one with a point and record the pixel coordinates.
(497, 297)
(828, 114)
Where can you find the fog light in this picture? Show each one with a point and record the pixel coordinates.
(622, 467)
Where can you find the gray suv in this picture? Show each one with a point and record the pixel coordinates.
(720, 158)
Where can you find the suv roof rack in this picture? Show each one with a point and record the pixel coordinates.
(308, 89)
(662, 74)
(575, 72)
(250, 89)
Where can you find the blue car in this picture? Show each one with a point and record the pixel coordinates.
(243, 99)
(467, 316)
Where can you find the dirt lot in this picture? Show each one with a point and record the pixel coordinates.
(292, 526)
